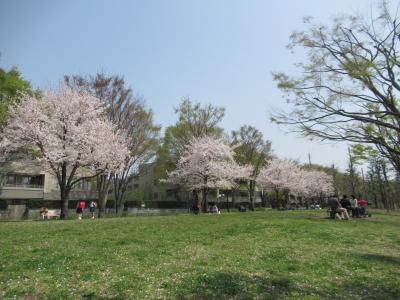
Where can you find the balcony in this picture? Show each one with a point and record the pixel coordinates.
(17, 186)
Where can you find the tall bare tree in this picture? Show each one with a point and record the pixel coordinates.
(349, 86)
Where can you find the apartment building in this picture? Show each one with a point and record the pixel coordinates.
(27, 183)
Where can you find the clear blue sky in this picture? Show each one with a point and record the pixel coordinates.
(219, 52)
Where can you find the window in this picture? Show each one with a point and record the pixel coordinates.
(24, 180)
(30, 181)
(11, 179)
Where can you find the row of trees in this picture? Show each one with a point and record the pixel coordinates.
(209, 163)
(94, 127)
(347, 90)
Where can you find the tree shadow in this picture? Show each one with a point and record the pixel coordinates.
(233, 286)
(380, 258)
(241, 286)
(371, 289)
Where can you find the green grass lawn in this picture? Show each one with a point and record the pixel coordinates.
(264, 255)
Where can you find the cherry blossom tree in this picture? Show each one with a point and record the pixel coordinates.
(207, 163)
(129, 113)
(286, 176)
(313, 183)
(280, 176)
(69, 131)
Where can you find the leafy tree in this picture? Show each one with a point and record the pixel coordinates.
(352, 172)
(194, 121)
(252, 150)
(11, 86)
(349, 87)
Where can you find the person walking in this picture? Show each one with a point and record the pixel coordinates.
(80, 207)
(92, 208)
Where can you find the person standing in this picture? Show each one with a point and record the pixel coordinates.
(80, 207)
(355, 211)
(92, 208)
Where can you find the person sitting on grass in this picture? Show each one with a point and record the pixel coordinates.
(337, 208)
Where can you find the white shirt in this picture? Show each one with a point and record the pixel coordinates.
(353, 203)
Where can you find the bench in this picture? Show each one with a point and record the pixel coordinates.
(51, 214)
(332, 213)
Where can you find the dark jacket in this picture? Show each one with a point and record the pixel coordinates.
(345, 203)
(333, 203)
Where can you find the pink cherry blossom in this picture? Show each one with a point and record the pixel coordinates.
(69, 131)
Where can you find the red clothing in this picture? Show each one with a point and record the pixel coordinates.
(81, 204)
(362, 202)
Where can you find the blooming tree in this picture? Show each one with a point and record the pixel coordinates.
(312, 183)
(207, 163)
(69, 131)
(133, 119)
(280, 175)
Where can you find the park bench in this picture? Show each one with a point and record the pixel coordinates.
(332, 213)
(51, 214)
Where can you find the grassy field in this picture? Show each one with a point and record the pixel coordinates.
(260, 255)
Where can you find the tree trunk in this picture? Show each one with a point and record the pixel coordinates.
(251, 192)
(64, 202)
(120, 208)
(196, 198)
(205, 203)
(102, 204)
(233, 198)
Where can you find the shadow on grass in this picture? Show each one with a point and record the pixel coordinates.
(371, 290)
(380, 258)
(93, 296)
(241, 286)
(233, 286)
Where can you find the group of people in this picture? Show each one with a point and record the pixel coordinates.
(213, 209)
(344, 205)
(81, 205)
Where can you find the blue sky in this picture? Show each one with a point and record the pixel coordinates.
(219, 52)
